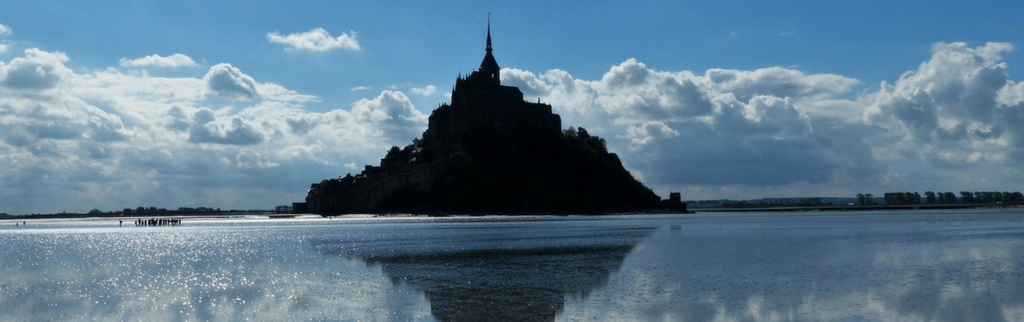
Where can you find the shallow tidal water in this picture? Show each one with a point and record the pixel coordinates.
(820, 266)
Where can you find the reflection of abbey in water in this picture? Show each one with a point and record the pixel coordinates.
(492, 277)
(505, 285)
(489, 151)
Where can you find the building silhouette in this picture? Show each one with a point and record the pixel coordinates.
(488, 151)
(479, 100)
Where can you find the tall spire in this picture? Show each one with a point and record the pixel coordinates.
(489, 65)
(488, 32)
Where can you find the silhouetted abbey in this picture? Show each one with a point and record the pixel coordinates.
(489, 151)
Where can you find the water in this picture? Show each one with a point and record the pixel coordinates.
(849, 266)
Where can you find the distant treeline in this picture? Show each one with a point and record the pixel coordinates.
(768, 202)
(781, 202)
(939, 198)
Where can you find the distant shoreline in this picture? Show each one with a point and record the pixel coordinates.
(856, 208)
(147, 216)
(265, 215)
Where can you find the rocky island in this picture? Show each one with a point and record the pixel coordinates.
(491, 152)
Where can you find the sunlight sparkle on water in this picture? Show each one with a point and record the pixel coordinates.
(914, 266)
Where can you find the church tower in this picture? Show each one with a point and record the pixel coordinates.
(489, 66)
(479, 101)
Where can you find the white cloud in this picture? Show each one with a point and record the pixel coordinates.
(226, 80)
(172, 61)
(360, 88)
(4, 30)
(108, 139)
(206, 128)
(725, 127)
(425, 91)
(315, 40)
(37, 70)
(959, 103)
(777, 81)
(525, 80)
(248, 159)
(391, 114)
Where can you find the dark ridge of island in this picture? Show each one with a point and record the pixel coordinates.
(491, 152)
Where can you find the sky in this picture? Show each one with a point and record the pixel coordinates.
(243, 104)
